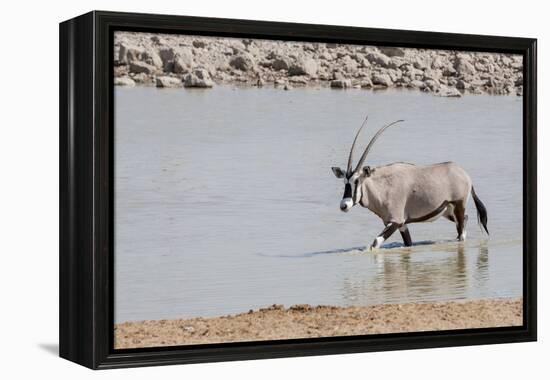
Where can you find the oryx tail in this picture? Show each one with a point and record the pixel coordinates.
(481, 211)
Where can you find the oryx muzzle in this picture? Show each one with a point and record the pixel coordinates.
(403, 193)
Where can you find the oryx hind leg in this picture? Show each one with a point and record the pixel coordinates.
(405, 234)
(385, 234)
(460, 220)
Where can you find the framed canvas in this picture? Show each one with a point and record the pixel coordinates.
(234, 189)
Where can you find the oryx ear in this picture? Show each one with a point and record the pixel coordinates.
(367, 170)
(338, 172)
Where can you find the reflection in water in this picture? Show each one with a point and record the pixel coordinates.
(482, 266)
(403, 275)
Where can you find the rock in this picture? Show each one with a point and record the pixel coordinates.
(392, 51)
(340, 83)
(337, 74)
(303, 66)
(176, 60)
(158, 40)
(480, 67)
(167, 54)
(242, 62)
(151, 57)
(202, 73)
(381, 79)
(298, 80)
(462, 85)
(236, 45)
(397, 62)
(279, 64)
(183, 61)
(186, 54)
(431, 85)
(141, 67)
(477, 83)
(463, 66)
(395, 75)
(128, 53)
(452, 82)
(341, 54)
(404, 80)
(416, 84)
(509, 90)
(362, 74)
(141, 78)
(124, 81)
(265, 64)
(438, 63)
(365, 63)
(431, 74)
(287, 87)
(349, 65)
(366, 83)
(199, 44)
(517, 66)
(120, 71)
(324, 76)
(448, 71)
(421, 62)
(506, 61)
(198, 78)
(410, 72)
(168, 82)
(448, 92)
(378, 58)
(477, 91)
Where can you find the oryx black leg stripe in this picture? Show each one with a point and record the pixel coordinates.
(389, 230)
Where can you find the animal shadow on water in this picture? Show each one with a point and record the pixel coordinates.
(393, 247)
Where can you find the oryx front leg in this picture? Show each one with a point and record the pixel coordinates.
(405, 234)
(385, 234)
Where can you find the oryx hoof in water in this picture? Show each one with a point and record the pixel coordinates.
(402, 193)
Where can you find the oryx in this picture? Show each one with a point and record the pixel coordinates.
(402, 193)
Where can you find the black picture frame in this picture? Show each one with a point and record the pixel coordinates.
(86, 189)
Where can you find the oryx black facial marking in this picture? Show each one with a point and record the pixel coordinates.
(347, 191)
(403, 193)
(348, 199)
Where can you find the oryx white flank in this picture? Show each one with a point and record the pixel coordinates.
(403, 193)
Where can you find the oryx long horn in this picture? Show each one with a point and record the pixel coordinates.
(350, 158)
(372, 141)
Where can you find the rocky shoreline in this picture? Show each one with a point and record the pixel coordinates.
(305, 321)
(165, 61)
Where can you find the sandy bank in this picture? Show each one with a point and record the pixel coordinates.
(304, 321)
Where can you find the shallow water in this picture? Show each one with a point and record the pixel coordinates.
(225, 200)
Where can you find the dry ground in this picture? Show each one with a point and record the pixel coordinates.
(304, 321)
